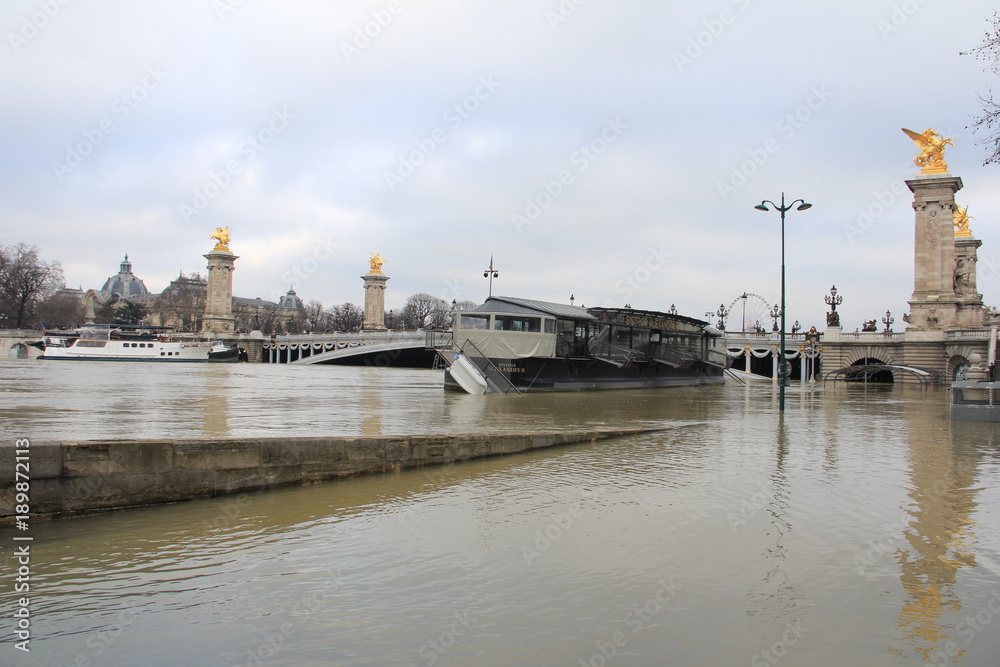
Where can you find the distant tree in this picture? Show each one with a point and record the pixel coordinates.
(105, 311)
(988, 122)
(317, 317)
(130, 312)
(182, 304)
(424, 310)
(61, 310)
(347, 317)
(25, 282)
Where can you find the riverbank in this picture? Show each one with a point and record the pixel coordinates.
(83, 477)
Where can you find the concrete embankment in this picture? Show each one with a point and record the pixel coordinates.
(67, 478)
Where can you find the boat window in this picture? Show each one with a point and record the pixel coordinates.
(517, 323)
(640, 338)
(474, 321)
(621, 336)
(91, 343)
(550, 326)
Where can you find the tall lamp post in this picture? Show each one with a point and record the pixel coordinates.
(491, 273)
(783, 371)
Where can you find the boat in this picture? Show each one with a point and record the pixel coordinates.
(515, 345)
(123, 342)
(225, 353)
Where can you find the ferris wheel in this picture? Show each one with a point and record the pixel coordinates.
(750, 312)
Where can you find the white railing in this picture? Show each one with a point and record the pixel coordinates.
(969, 334)
(871, 335)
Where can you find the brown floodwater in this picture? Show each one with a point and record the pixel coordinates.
(861, 528)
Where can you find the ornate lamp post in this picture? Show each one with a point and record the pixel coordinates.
(491, 273)
(775, 313)
(722, 314)
(888, 321)
(832, 300)
(743, 322)
(784, 372)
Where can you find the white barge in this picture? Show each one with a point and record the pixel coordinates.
(119, 342)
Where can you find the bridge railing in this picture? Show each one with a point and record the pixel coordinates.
(968, 334)
(439, 340)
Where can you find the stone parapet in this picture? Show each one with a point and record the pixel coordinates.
(70, 478)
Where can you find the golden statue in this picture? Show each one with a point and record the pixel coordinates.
(962, 218)
(931, 145)
(221, 234)
(376, 262)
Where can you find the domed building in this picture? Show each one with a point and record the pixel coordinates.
(291, 302)
(125, 284)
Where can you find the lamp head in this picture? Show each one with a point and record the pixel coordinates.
(762, 207)
(803, 206)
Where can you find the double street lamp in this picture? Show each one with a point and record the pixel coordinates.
(491, 273)
(783, 371)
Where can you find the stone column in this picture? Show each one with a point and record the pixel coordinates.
(934, 304)
(219, 301)
(970, 301)
(374, 300)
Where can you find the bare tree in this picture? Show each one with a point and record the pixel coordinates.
(317, 317)
(61, 310)
(182, 304)
(424, 310)
(347, 317)
(25, 281)
(988, 122)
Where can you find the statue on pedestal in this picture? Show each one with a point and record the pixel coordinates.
(221, 234)
(376, 262)
(931, 145)
(962, 218)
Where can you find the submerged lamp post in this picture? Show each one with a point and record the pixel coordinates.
(783, 371)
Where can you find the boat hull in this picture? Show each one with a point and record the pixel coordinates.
(540, 375)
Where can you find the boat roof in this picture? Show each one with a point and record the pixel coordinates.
(613, 312)
(511, 304)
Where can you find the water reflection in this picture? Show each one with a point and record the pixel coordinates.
(939, 532)
(776, 603)
(215, 405)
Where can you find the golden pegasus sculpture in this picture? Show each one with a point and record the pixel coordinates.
(962, 218)
(931, 145)
(221, 234)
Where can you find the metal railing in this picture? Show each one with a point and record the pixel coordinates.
(495, 378)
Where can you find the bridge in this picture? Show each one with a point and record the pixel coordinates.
(380, 348)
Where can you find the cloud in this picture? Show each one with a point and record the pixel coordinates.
(746, 105)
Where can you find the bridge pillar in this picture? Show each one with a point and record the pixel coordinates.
(934, 305)
(219, 301)
(374, 300)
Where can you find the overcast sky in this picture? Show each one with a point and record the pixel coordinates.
(609, 150)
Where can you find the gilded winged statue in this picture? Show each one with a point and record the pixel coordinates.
(221, 234)
(931, 145)
(376, 262)
(962, 218)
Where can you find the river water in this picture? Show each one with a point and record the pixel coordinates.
(861, 528)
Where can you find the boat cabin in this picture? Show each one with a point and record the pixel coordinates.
(512, 328)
